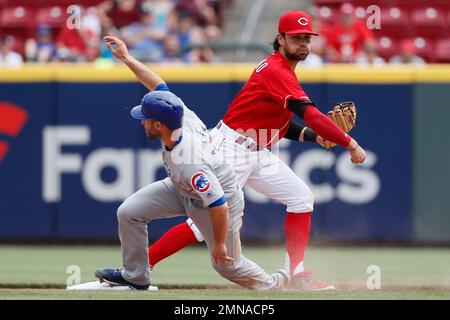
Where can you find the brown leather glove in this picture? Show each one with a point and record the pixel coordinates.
(344, 115)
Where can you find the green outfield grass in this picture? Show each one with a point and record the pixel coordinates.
(40, 272)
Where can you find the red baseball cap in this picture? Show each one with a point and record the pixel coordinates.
(295, 22)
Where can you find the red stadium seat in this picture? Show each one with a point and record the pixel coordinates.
(53, 16)
(442, 52)
(367, 3)
(411, 4)
(448, 21)
(328, 14)
(19, 45)
(424, 48)
(394, 16)
(361, 12)
(428, 22)
(14, 3)
(387, 47)
(395, 22)
(329, 2)
(441, 4)
(16, 16)
(91, 3)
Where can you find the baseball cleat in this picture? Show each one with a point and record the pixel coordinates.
(114, 277)
(303, 281)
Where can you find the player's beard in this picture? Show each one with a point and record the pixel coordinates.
(298, 55)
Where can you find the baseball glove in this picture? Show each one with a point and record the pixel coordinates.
(344, 115)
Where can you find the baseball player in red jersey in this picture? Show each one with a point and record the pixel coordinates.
(259, 116)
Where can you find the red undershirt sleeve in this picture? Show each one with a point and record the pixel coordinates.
(324, 127)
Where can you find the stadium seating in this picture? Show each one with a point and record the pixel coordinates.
(395, 22)
(329, 2)
(441, 4)
(426, 22)
(54, 16)
(442, 53)
(387, 47)
(19, 45)
(424, 48)
(429, 22)
(327, 14)
(16, 16)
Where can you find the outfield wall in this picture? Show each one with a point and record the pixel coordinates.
(79, 154)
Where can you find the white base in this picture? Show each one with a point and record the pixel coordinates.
(96, 285)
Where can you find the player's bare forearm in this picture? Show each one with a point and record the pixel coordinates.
(357, 153)
(144, 74)
(220, 221)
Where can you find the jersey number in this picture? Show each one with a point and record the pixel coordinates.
(261, 66)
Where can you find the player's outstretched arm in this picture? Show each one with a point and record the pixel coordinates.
(144, 74)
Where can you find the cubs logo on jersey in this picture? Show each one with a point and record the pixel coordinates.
(200, 182)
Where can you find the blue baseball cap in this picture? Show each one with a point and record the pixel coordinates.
(162, 106)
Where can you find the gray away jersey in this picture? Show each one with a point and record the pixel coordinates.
(196, 167)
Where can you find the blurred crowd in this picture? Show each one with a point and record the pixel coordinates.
(155, 31)
(347, 39)
(178, 31)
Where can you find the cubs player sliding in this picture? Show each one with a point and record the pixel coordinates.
(199, 184)
(260, 115)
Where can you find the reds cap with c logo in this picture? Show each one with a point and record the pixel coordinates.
(295, 22)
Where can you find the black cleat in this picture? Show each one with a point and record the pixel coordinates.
(114, 277)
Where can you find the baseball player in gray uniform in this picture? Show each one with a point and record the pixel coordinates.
(199, 184)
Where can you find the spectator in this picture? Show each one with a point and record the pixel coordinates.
(347, 38)
(201, 11)
(172, 49)
(368, 57)
(43, 48)
(407, 54)
(193, 38)
(119, 13)
(91, 21)
(217, 6)
(144, 38)
(9, 58)
(184, 26)
(162, 10)
(76, 45)
(200, 53)
(203, 15)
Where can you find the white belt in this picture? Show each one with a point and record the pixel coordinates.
(238, 138)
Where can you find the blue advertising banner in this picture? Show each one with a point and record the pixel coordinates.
(80, 155)
(23, 212)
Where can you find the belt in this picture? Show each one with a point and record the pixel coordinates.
(238, 138)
